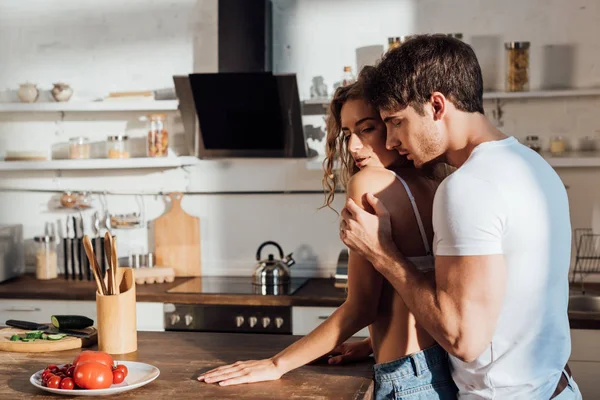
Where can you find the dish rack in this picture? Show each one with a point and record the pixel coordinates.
(587, 254)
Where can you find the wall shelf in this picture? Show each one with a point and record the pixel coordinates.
(575, 160)
(99, 164)
(91, 106)
(316, 106)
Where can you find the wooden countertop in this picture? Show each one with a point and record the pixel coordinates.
(182, 356)
(316, 292)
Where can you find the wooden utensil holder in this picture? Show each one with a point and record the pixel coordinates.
(117, 329)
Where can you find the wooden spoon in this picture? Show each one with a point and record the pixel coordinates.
(115, 267)
(89, 251)
(109, 271)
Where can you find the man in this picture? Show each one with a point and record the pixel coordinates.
(498, 300)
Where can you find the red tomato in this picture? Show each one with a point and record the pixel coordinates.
(46, 378)
(70, 371)
(123, 369)
(53, 382)
(92, 375)
(97, 356)
(118, 376)
(52, 367)
(67, 384)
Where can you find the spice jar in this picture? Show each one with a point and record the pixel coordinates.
(158, 137)
(517, 66)
(79, 148)
(533, 142)
(46, 259)
(558, 146)
(117, 146)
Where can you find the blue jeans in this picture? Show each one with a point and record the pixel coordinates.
(571, 392)
(421, 376)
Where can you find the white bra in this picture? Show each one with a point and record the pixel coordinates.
(427, 262)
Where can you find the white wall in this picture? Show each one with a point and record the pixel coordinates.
(112, 45)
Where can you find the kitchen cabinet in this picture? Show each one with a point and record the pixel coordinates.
(149, 316)
(585, 361)
(31, 310)
(306, 319)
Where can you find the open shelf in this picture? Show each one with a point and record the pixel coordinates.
(534, 94)
(91, 106)
(98, 164)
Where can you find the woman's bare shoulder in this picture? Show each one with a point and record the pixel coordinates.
(369, 180)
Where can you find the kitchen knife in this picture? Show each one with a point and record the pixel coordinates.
(48, 329)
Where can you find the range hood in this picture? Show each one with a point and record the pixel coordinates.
(245, 114)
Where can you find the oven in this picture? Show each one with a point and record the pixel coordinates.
(187, 316)
(228, 318)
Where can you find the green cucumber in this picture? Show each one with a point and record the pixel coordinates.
(15, 338)
(57, 336)
(27, 340)
(34, 335)
(71, 321)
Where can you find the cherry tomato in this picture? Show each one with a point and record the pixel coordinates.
(97, 356)
(70, 371)
(46, 378)
(123, 369)
(67, 384)
(53, 382)
(92, 375)
(118, 376)
(45, 373)
(52, 367)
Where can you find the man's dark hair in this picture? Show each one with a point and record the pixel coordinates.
(410, 73)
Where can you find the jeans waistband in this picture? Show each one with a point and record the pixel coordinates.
(413, 364)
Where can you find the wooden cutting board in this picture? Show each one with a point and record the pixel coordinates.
(177, 240)
(42, 346)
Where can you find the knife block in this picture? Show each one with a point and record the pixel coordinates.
(117, 329)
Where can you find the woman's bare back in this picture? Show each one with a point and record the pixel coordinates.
(395, 333)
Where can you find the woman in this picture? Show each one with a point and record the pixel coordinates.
(356, 135)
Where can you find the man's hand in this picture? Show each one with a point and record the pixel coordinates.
(368, 234)
(242, 372)
(348, 352)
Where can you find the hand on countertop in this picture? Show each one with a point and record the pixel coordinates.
(350, 352)
(243, 372)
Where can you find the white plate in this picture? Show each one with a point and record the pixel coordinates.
(138, 374)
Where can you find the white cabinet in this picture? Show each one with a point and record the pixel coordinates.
(31, 310)
(149, 316)
(585, 361)
(306, 319)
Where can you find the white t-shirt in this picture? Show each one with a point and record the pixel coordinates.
(506, 199)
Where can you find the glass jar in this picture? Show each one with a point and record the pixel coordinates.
(158, 137)
(517, 66)
(533, 142)
(558, 146)
(393, 42)
(587, 143)
(79, 148)
(46, 259)
(117, 146)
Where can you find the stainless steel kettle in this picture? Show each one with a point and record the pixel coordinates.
(271, 271)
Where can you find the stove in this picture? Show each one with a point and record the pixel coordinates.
(231, 318)
(236, 285)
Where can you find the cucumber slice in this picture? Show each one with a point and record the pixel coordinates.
(27, 340)
(15, 338)
(57, 336)
(34, 335)
(71, 321)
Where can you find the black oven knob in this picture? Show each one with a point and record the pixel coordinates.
(252, 321)
(278, 322)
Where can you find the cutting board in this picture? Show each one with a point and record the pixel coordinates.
(42, 346)
(177, 240)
